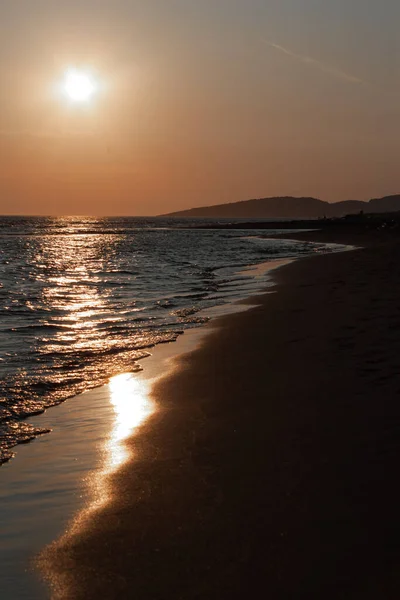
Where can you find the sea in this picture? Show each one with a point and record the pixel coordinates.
(83, 299)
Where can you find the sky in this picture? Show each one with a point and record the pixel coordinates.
(197, 103)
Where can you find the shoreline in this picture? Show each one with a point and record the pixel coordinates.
(62, 475)
(267, 467)
(76, 448)
(253, 271)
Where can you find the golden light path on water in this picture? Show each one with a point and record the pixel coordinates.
(78, 305)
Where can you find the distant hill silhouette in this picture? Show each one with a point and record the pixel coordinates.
(292, 208)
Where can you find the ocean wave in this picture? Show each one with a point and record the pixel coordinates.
(83, 299)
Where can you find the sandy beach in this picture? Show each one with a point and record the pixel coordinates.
(270, 463)
(176, 422)
(63, 475)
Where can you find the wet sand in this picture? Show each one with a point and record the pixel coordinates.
(45, 485)
(270, 465)
(62, 475)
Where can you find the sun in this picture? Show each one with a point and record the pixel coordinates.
(79, 85)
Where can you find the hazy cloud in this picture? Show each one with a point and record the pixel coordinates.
(308, 60)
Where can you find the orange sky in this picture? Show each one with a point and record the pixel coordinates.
(197, 105)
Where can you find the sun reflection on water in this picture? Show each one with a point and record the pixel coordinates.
(129, 396)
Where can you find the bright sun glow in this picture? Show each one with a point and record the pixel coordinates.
(79, 86)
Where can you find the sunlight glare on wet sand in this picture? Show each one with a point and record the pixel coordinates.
(128, 394)
(129, 397)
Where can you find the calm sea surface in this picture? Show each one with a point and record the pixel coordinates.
(82, 299)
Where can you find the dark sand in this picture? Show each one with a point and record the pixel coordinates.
(271, 468)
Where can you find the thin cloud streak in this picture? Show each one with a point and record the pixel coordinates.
(4, 134)
(308, 60)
